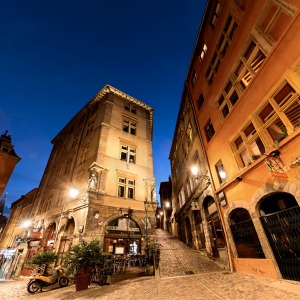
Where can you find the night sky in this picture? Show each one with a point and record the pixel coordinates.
(56, 55)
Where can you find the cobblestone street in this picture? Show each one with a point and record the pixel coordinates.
(209, 282)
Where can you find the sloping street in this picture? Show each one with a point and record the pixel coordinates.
(209, 282)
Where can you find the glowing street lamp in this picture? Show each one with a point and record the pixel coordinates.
(167, 204)
(73, 193)
(26, 224)
(161, 213)
(200, 176)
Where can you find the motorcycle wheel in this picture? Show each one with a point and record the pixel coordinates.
(64, 281)
(102, 279)
(33, 287)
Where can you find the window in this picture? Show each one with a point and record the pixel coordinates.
(48, 203)
(221, 49)
(203, 52)
(128, 154)
(90, 127)
(60, 198)
(221, 172)
(69, 164)
(76, 138)
(188, 189)
(83, 154)
(126, 188)
(182, 196)
(194, 78)
(129, 127)
(242, 4)
(5, 148)
(130, 107)
(95, 107)
(216, 14)
(36, 202)
(209, 130)
(200, 101)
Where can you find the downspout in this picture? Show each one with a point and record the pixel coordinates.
(74, 165)
(210, 175)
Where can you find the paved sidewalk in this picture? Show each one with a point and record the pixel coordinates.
(178, 259)
(209, 282)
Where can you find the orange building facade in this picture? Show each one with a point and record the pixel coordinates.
(244, 82)
(8, 160)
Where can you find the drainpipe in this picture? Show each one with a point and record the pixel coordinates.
(209, 170)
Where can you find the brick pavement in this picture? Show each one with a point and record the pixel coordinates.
(208, 285)
(176, 258)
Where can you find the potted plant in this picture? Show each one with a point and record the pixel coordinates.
(44, 258)
(78, 261)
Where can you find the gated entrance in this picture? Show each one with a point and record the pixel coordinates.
(282, 227)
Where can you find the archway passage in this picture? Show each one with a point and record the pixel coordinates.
(244, 235)
(123, 236)
(215, 229)
(280, 216)
(189, 239)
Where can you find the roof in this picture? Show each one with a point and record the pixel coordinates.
(107, 89)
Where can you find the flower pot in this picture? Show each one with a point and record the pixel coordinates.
(82, 281)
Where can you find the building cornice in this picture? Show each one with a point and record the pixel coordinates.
(107, 89)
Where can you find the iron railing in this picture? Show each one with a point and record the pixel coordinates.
(283, 232)
(246, 240)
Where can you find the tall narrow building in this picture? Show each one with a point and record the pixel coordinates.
(103, 158)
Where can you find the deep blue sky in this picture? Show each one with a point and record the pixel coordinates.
(56, 55)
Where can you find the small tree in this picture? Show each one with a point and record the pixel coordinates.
(44, 258)
(79, 257)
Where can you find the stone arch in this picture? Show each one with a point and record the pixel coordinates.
(47, 228)
(227, 214)
(72, 216)
(111, 218)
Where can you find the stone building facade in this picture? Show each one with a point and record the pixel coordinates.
(13, 244)
(195, 217)
(244, 82)
(8, 160)
(105, 154)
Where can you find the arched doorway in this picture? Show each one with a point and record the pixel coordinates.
(244, 235)
(122, 236)
(189, 239)
(214, 225)
(280, 216)
(49, 243)
(66, 240)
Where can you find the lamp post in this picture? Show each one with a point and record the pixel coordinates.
(200, 176)
(146, 248)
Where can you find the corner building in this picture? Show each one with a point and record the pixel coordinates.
(244, 80)
(104, 152)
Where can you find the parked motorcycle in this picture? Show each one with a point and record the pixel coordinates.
(39, 281)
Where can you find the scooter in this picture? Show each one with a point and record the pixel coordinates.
(38, 282)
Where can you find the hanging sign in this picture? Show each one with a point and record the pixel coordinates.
(274, 167)
(35, 235)
(19, 240)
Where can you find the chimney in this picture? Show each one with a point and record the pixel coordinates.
(170, 178)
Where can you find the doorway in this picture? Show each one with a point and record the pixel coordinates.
(189, 239)
(280, 217)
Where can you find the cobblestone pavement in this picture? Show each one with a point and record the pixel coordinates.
(177, 259)
(208, 283)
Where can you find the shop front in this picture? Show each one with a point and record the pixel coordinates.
(8, 256)
(122, 236)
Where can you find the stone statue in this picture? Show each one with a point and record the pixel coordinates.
(96, 221)
(92, 183)
(154, 195)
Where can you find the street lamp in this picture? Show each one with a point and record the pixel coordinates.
(26, 224)
(200, 176)
(73, 193)
(167, 204)
(161, 213)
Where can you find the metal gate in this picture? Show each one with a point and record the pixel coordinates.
(283, 232)
(246, 240)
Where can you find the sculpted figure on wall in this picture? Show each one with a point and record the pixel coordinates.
(92, 183)
(154, 195)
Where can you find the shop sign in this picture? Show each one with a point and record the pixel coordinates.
(19, 240)
(195, 205)
(222, 198)
(122, 229)
(274, 167)
(212, 209)
(8, 252)
(110, 249)
(35, 235)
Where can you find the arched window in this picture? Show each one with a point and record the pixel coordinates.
(244, 235)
